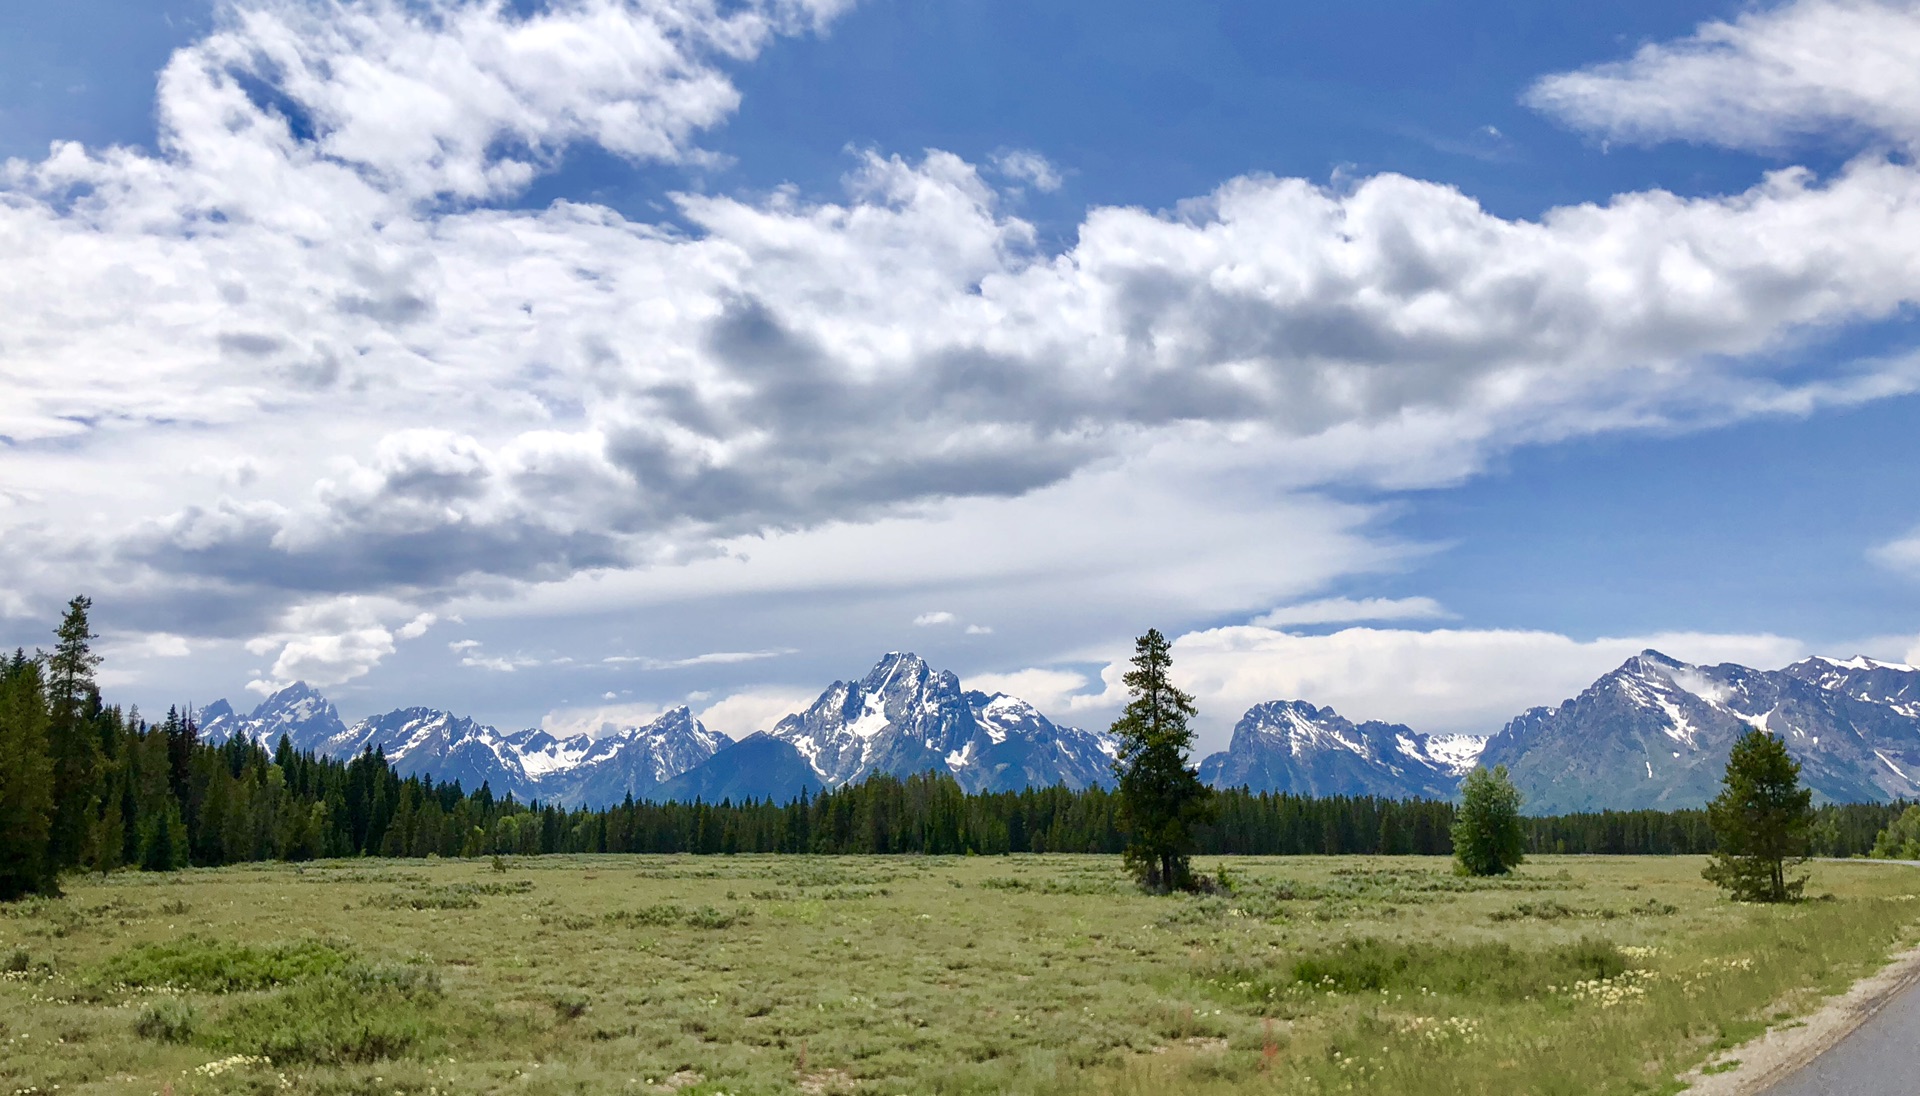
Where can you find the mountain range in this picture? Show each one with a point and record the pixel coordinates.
(1653, 733)
(1656, 732)
(903, 717)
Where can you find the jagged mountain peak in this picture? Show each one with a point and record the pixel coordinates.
(1294, 746)
(906, 717)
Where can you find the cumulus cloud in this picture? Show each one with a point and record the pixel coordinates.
(1340, 610)
(334, 641)
(1761, 80)
(460, 399)
(929, 620)
(1445, 680)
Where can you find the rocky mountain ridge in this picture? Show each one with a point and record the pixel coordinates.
(1655, 733)
(1652, 733)
(903, 717)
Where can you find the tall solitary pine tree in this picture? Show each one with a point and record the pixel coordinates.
(73, 700)
(1161, 799)
(1761, 818)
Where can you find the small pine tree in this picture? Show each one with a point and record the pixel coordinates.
(1761, 819)
(1161, 799)
(1487, 836)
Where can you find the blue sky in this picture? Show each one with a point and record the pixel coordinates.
(1736, 487)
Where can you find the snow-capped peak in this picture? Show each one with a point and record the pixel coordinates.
(1862, 662)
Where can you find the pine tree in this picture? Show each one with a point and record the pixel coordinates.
(1161, 799)
(26, 779)
(73, 741)
(1487, 834)
(1762, 818)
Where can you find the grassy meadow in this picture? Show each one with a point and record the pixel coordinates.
(1018, 974)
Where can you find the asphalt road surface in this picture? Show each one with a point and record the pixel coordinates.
(1880, 1058)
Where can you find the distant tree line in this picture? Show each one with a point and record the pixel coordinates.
(89, 786)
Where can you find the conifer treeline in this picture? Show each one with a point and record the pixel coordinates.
(87, 786)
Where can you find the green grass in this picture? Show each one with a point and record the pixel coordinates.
(1022, 974)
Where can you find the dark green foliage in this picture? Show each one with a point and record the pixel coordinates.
(1761, 818)
(217, 966)
(26, 781)
(1488, 838)
(1901, 839)
(1161, 798)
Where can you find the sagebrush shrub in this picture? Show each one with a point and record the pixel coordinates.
(167, 1022)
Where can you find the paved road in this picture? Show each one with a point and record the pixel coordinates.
(1880, 1058)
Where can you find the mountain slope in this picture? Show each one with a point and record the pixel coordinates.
(632, 761)
(1656, 732)
(1293, 746)
(758, 766)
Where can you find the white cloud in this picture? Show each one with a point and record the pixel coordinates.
(1445, 680)
(1340, 610)
(979, 630)
(741, 713)
(1027, 166)
(709, 658)
(1762, 80)
(328, 659)
(599, 721)
(331, 641)
(460, 645)
(1441, 680)
(417, 627)
(1051, 691)
(1902, 554)
(928, 620)
(148, 645)
(499, 664)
